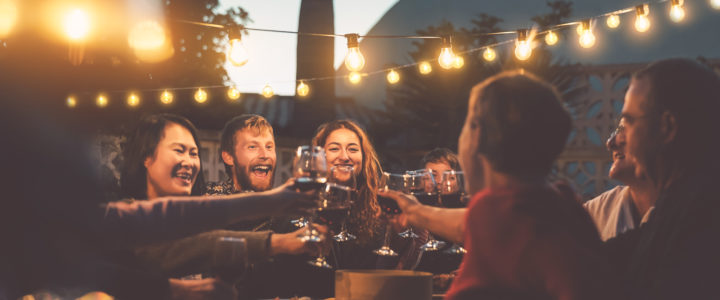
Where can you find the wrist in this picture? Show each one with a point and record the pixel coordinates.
(277, 244)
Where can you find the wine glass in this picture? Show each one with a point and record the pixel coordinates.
(335, 208)
(425, 189)
(389, 207)
(344, 176)
(230, 258)
(452, 195)
(310, 173)
(419, 183)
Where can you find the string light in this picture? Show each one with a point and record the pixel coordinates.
(677, 12)
(237, 54)
(303, 89)
(133, 100)
(613, 21)
(551, 38)
(201, 96)
(101, 100)
(393, 77)
(354, 60)
(447, 57)
(233, 94)
(267, 91)
(523, 49)
(166, 97)
(77, 25)
(489, 54)
(354, 77)
(425, 68)
(71, 101)
(715, 4)
(587, 38)
(459, 62)
(8, 16)
(642, 23)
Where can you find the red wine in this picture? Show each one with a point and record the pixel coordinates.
(427, 198)
(310, 183)
(388, 206)
(332, 216)
(452, 200)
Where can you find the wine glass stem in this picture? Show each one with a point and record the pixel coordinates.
(387, 235)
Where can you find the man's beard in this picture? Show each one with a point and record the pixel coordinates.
(243, 178)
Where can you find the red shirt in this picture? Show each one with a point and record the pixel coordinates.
(530, 243)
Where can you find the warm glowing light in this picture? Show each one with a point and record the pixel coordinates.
(201, 96)
(425, 68)
(166, 97)
(523, 50)
(715, 4)
(233, 93)
(146, 35)
(303, 89)
(489, 54)
(71, 101)
(101, 100)
(551, 38)
(447, 57)
(579, 29)
(459, 62)
(133, 100)
(267, 91)
(8, 17)
(354, 77)
(354, 60)
(587, 39)
(77, 25)
(393, 77)
(677, 12)
(237, 53)
(642, 23)
(613, 21)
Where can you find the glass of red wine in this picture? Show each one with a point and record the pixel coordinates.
(310, 173)
(452, 195)
(389, 207)
(425, 188)
(344, 176)
(334, 209)
(230, 259)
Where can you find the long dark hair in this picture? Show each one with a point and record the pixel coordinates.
(141, 145)
(362, 217)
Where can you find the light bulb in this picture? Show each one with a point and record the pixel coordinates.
(267, 91)
(459, 62)
(425, 68)
(354, 60)
(523, 51)
(354, 77)
(237, 53)
(166, 97)
(77, 25)
(101, 100)
(393, 77)
(715, 4)
(489, 54)
(146, 35)
(551, 38)
(233, 93)
(642, 23)
(8, 16)
(303, 89)
(71, 101)
(587, 39)
(133, 100)
(201, 96)
(677, 12)
(613, 21)
(446, 58)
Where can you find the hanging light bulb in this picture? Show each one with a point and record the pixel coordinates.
(447, 57)
(303, 89)
(77, 25)
(354, 60)
(523, 49)
(71, 101)
(133, 100)
(715, 4)
(489, 54)
(613, 21)
(101, 100)
(677, 12)
(201, 96)
(459, 62)
(393, 77)
(587, 38)
(267, 91)
(233, 93)
(551, 38)
(642, 23)
(354, 77)
(237, 54)
(166, 97)
(425, 68)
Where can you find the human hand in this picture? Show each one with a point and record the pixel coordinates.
(289, 200)
(210, 288)
(290, 243)
(405, 202)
